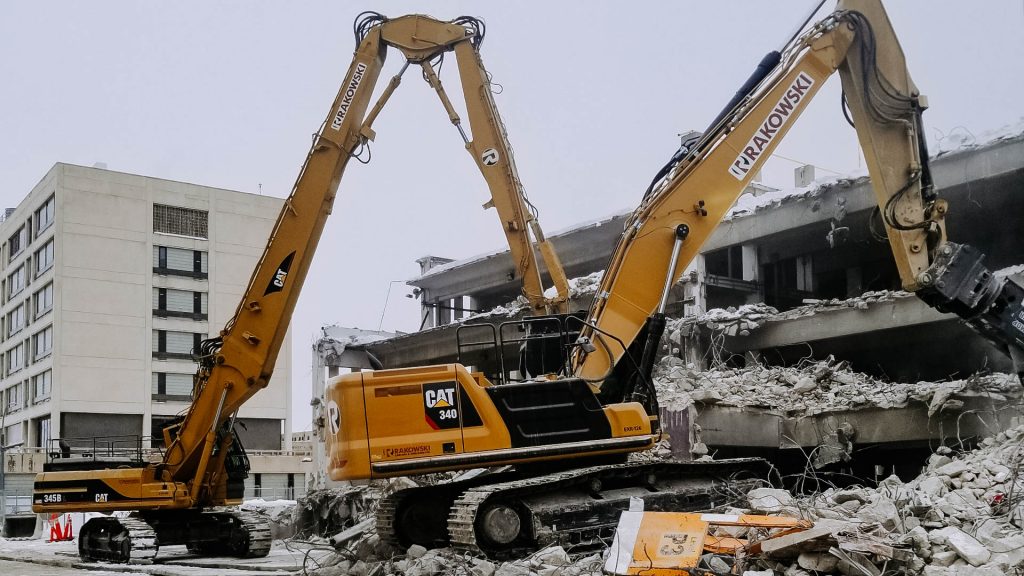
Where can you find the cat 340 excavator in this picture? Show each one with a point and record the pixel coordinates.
(566, 436)
(203, 467)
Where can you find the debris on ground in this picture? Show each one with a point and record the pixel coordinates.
(963, 515)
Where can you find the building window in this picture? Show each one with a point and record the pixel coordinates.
(42, 301)
(180, 262)
(43, 431)
(15, 320)
(15, 358)
(44, 215)
(41, 385)
(44, 258)
(180, 221)
(14, 398)
(13, 436)
(168, 302)
(172, 386)
(16, 281)
(42, 343)
(174, 344)
(16, 243)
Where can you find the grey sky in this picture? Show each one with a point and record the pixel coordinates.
(227, 94)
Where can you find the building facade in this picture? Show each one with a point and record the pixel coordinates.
(109, 281)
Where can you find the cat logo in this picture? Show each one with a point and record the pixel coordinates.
(443, 398)
(276, 283)
(441, 405)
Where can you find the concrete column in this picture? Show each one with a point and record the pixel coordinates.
(803, 176)
(804, 273)
(428, 313)
(750, 263)
(697, 287)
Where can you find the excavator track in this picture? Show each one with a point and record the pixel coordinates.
(385, 518)
(579, 509)
(120, 540)
(238, 533)
(258, 529)
(511, 515)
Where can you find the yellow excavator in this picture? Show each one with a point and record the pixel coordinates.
(204, 464)
(567, 435)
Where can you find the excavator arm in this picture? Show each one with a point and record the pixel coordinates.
(239, 362)
(693, 192)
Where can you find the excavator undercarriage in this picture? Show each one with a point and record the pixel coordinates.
(510, 514)
(208, 532)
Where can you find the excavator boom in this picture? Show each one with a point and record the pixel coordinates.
(697, 187)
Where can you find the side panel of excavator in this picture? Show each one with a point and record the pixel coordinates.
(426, 419)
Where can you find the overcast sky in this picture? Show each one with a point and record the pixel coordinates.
(593, 94)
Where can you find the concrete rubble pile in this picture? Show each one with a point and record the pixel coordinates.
(816, 388)
(741, 321)
(962, 516)
(578, 288)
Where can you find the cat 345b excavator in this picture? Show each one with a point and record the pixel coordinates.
(203, 467)
(566, 436)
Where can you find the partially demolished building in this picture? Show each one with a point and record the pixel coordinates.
(793, 340)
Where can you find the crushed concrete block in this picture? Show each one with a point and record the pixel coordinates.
(769, 499)
(933, 486)
(817, 561)
(482, 568)
(340, 569)
(804, 385)
(360, 568)
(859, 495)
(953, 469)
(966, 546)
(854, 564)
(791, 545)
(938, 461)
(512, 569)
(426, 566)
(884, 512)
(553, 556)
(415, 551)
(716, 563)
(944, 558)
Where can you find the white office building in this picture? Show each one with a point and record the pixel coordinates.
(109, 280)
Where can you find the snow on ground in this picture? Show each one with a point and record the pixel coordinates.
(170, 561)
